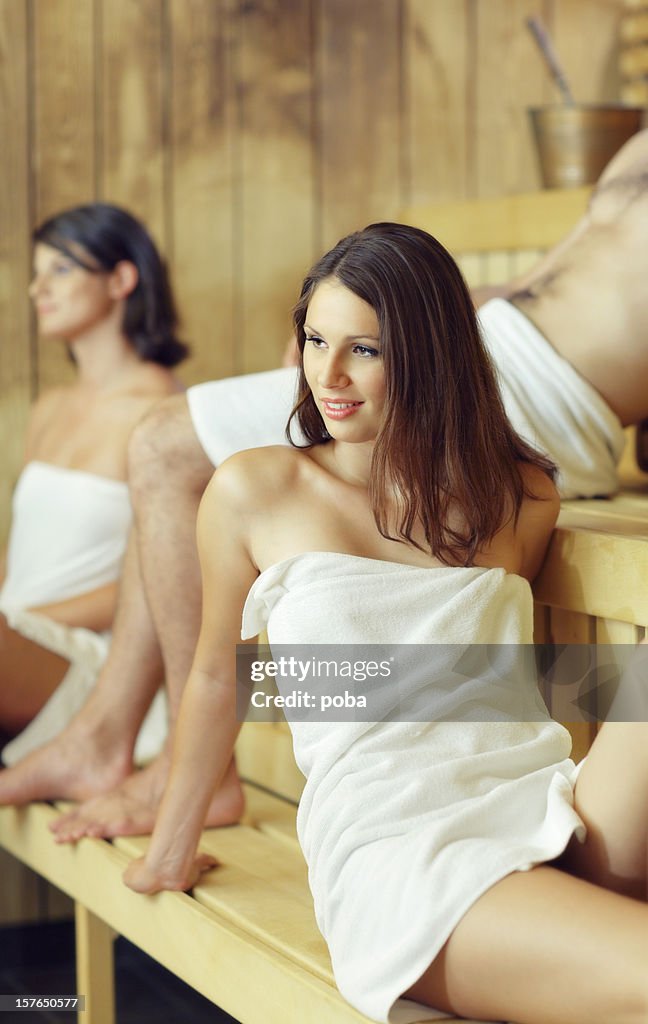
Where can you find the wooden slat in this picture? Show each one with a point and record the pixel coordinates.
(591, 55)
(436, 67)
(496, 267)
(131, 127)
(94, 967)
(264, 755)
(261, 887)
(359, 156)
(472, 267)
(65, 131)
(271, 815)
(535, 220)
(205, 203)
(274, 172)
(509, 77)
(594, 572)
(17, 372)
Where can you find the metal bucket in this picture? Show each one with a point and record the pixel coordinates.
(576, 142)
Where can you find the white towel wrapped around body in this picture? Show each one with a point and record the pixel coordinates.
(68, 537)
(404, 824)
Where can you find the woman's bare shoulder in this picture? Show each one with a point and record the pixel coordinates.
(258, 476)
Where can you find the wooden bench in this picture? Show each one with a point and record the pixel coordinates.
(246, 937)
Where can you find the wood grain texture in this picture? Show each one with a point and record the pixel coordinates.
(274, 172)
(17, 365)
(437, 74)
(203, 209)
(586, 33)
(358, 96)
(256, 978)
(131, 127)
(64, 154)
(508, 78)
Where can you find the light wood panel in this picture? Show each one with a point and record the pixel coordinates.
(132, 131)
(203, 188)
(587, 33)
(251, 136)
(17, 367)
(509, 77)
(274, 203)
(534, 220)
(256, 978)
(359, 143)
(438, 121)
(64, 140)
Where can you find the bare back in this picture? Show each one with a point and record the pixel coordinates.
(588, 296)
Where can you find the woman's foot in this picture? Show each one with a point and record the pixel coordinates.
(79, 763)
(131, 808)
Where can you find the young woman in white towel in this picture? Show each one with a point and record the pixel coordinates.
(456, 863)
(101, 289)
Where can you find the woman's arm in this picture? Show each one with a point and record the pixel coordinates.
(94, 610)
(207, 726)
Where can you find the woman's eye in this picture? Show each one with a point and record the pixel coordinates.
(366, 352)
(316, 342)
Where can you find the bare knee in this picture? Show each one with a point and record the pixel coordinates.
(164, 452)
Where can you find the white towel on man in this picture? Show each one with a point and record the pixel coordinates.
(551, 405)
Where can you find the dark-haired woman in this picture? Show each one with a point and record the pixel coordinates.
(416, 516)
(101, 288)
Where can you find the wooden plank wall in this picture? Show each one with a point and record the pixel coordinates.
(251, 134)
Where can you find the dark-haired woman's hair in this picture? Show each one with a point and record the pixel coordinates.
(445, 446)
(108, 234)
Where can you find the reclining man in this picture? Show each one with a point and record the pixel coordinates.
(570, 343)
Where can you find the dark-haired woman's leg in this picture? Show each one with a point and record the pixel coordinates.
(29, 674)
(549, 947)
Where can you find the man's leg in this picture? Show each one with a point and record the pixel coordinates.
(168, 472)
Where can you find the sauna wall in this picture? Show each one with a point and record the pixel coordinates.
(251, 134)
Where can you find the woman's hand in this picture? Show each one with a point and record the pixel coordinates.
(142, 878)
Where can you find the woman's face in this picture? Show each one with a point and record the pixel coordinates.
(69, 300)
(343, 362)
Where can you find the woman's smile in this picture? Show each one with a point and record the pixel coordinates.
(338, 410)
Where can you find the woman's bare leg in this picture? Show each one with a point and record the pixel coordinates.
(168, 474)
(94, 753)
(543, 947)
(546, 947)
(612, 799)
(29, 674)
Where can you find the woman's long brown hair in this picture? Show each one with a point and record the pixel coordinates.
(445, 447)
